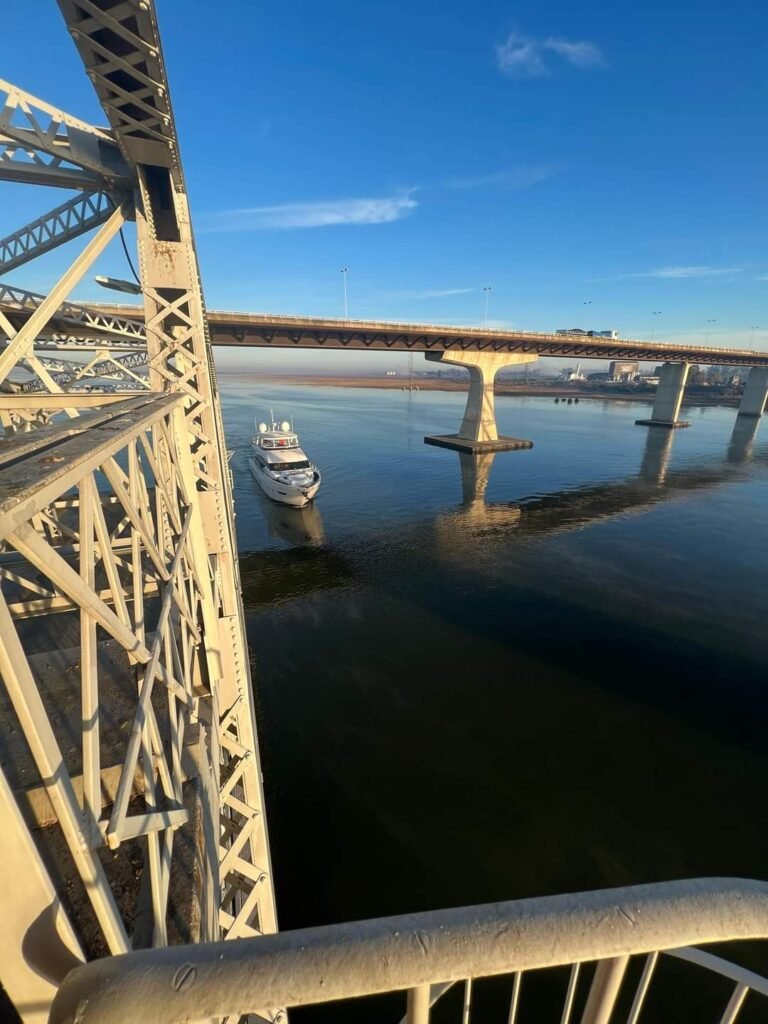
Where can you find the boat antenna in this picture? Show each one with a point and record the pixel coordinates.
(271, 419)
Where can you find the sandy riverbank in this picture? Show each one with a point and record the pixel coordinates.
(502, 388)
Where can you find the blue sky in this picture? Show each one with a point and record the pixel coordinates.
(591, 162)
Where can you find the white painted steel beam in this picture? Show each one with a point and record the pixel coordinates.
(62, 224)
(54, 466)
(91, 318)
(20, 345)
(38, 946)
(49, 137)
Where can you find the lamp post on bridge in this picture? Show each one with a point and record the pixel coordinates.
(753, 328)
(344, 272)
(487, 291)
(587, 302)
(706, 336)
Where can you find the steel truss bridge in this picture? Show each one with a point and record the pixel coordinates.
(133, 836)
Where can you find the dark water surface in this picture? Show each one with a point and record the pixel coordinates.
(557, 684)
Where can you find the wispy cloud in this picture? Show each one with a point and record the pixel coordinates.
(317, 214)
(762, 277)
(688, 272)
(517, 177)
(522, 56)
(580, 54)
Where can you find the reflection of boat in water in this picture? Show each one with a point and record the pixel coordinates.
(301, 527)
(281, 468)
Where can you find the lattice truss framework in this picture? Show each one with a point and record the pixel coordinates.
(152, 520)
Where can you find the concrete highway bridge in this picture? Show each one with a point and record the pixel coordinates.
(134, 847)
(483, 352)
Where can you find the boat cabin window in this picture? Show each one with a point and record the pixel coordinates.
(283, 467)
(279, 442)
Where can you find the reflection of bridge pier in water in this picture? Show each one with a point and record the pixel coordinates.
(656, 456)
(743, 438)
(568, 509)
(475, 471)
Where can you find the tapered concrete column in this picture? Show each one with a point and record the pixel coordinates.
(669, 397)
(755, 392)
(478, 430)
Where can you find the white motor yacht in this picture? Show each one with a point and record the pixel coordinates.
(281, 468)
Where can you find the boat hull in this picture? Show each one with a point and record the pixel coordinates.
(296, 497)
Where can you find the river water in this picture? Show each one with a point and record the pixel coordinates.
(539, 673)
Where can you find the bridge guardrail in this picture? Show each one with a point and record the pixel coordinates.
(413, 953)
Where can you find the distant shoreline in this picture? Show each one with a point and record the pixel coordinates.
(501, 388)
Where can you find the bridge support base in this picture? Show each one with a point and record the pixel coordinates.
(478, 432)
(669, 397)
(755, 392)
(460, 444)
(669, 424)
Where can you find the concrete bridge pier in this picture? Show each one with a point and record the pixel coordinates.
(669, 397)
(755, 392)
(478, 432)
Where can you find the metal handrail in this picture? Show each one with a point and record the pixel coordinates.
(318, 965)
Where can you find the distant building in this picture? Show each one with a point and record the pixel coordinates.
(625, 372)
(571, 376)
(597, 377)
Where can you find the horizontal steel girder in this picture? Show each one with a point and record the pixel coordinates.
(24, 303)
(55, 228)
(70, 372)
(34, 133)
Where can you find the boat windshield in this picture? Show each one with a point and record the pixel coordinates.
(279, 442)
(286, 467)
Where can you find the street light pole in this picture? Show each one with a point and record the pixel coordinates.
(706, 336)
(753, 328)
(344, 272)
(487, 291)
(586, 311)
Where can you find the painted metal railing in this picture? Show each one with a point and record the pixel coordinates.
(422, 955)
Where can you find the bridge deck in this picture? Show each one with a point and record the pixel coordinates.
(245, 330)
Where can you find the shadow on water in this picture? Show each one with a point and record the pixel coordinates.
(459, 713)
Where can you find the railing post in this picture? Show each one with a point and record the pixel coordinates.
(418, 1005)
(604, 990)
